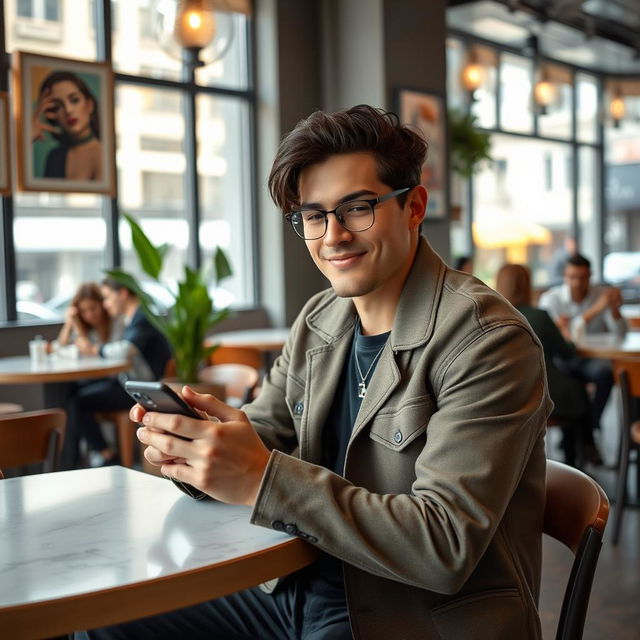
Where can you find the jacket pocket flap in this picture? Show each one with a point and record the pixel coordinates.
(399, 428)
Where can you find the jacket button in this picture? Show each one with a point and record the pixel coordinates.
(291, 529)
(278, 525)
(397, 437)
(298, 409)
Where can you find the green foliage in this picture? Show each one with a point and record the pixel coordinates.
(469, 146)
(192, 315)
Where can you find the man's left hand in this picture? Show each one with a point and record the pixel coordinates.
(225, 459)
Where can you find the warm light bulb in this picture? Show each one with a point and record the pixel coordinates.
(617, 108)
(473, 76)
(544, 93)
(195, 25)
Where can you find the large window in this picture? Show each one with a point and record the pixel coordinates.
(541, 196)
(60, 240)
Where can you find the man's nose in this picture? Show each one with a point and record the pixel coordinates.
(336, 233)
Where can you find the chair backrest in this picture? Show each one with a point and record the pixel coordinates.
(632, 368)
(239, 380)
(576, 514)
(34, 436)
(237, 355)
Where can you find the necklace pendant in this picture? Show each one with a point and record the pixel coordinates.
(362, 389)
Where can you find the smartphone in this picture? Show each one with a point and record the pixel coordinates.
(157, 396)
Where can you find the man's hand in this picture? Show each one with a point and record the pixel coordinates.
(610, 298)
(224, 459)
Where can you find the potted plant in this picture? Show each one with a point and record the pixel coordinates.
(470, 147)
(192, 315)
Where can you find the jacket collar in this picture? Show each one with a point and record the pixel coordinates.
(415, 317)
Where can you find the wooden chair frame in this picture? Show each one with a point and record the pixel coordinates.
(576, 514)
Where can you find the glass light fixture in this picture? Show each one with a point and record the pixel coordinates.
(544, 91)
(617, 107)
(473, 73)
(192, 24)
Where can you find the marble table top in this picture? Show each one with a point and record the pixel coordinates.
(78, 534)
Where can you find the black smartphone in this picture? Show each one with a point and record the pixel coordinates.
(157, 396)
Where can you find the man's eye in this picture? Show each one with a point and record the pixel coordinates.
(313, 216)
(356, 207)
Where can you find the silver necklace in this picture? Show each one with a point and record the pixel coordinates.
(362, 385)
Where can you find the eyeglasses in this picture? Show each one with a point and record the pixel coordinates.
(355, 215)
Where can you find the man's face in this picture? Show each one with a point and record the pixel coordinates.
(374, 262)
(113, 301)
(577, 278)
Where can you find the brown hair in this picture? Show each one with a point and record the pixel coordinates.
(514, 283)
(398, 149)
(91, 291)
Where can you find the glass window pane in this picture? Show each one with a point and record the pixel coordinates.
(224, 174)
(60, 242)
(484, 103)
(40, 26)
(515, 86)
(151, 165)
(522, 206)
(136, 49)
(587, 108)
(230, 68)
(455, 58)
(589, 206)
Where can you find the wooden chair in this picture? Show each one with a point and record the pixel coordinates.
(238, 355)
(239, 381)
(575, 514)
(34, 436)
(627, 373)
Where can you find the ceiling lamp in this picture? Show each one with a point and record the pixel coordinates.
(473, 73)
(544, 91)
(205, 28)
(617, 106)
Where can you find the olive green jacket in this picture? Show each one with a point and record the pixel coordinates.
(438, 517)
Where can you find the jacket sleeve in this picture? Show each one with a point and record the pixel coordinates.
(488, 420)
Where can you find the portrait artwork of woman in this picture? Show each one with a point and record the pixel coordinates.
(68, 111)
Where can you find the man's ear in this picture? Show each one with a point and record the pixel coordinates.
(417, 203)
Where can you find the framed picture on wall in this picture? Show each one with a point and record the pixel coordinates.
(64, 116)
(426, 112)
(5, 158)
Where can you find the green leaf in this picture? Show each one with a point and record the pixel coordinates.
(150, 258)
(222, 267)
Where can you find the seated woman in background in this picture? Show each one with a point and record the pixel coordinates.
(86, 319)
(568, 393)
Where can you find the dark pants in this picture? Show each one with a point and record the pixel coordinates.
(294, 612)
(600, 373)
(84, 400)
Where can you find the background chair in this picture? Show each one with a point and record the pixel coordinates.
(238, 355)
(575, 514)
(627, 373)
(239, 381)
(35, 436)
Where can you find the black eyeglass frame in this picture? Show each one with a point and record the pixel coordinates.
(372, 202)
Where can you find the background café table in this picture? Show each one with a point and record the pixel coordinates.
(55, 372)
(88, 548)
(609, 347)
(262, 339)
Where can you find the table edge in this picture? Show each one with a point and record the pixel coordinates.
(156, 595)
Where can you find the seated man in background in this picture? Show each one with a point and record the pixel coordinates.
(401, 431)
(580, 308)
(147, 350)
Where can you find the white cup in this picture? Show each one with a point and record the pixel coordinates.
(38, 351)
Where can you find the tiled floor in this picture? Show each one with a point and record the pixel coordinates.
(614, 608)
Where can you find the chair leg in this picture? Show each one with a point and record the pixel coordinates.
(126, 439)
(621, 488)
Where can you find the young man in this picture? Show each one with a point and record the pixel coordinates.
(147, 350)
(418, 401)
(579, 308)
